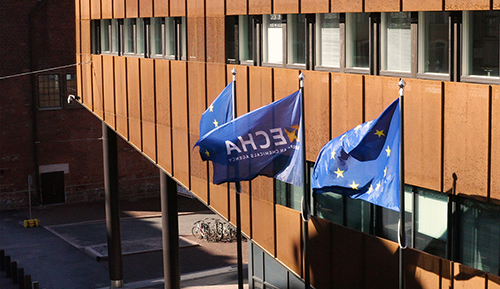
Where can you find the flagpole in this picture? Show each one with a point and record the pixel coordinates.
(237, 186)
(401, 227)
(305, 198)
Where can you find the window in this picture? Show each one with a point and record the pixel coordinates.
(273, 39)
(328, 40)
(133, 34)
(433, 41)
(396, 41)
(288, 195)
(105, 34)
(49, 95)
(71, 89)
(357, 40)
(245, 41)
(480, 43)
(156, 41)
(480, 235)
(296, 39)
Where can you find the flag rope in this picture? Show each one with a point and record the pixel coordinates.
(43, 70)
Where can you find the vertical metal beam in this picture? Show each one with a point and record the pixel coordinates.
(170, 231)
(110, 160)
(455, 42)
(374, 35)
(402, 232)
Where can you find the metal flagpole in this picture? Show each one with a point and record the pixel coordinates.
(305, 198)
(237, 186)
(401, 227)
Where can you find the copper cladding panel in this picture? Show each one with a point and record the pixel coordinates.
(244, 207)
(196, 32)
(109, 92)
(146, 8)
(85, 9)
(134, 102)
(286, 82)
(219, 196)
(121, 96)
(319, 250)
(466, 137)
(195, 8)
(346, 6)
(97, 91)
(422, 270)
(288, 238)
(495, 143)
(314, 6)
(236, 7)
(466, 5)
(215, 7)
(382, 5)
(380, 92)
(241, 86)
(493, 281)
(180, 158)
(177, 8)
(107, 9)
(119, 9)
(263, 224)
(263, 188)
(347, 102)
(95, 9)
(148, 108)
(163, 126)
(259, 7)
(161, 8)
(475, 278)
(215, 44)
(285, 6)
(317, 111)
(377, 249)
(86, 81)
(197, 105)
(422, 5)
(131, 8)
(423, 121)
(496, 4)
(260, 86)
(85, 37)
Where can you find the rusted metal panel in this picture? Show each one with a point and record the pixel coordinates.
(466, 137)
(263, 224)
(121, 96)
(109, 90)
(289, 238)
(286, 6)
(97, 91)
(466, 5)
(134, 102)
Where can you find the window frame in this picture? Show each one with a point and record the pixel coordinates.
(265, 53)
(318, 42)
(348, 44)
(384, 47)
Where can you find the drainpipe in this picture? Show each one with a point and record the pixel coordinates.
(34, 100)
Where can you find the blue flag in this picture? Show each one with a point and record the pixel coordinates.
(363, 163)
(262, 142)
(219, 112)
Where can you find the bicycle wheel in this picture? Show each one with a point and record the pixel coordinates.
(196, 231)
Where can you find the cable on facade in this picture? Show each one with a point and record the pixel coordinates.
(43, 70)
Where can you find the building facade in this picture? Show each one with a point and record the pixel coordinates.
(150, 68)
(44, 139)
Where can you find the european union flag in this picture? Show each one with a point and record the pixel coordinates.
(363, 163)
(219, 112)
(262, 142)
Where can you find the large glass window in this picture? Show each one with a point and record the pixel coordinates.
(433, 42)
(396, 41)
(328, 40)
(431, 221)
(480, 235)
(245, 41)
(273, 38)
(105, 35)
(288, 195)
(357, 40)
(129, 36)
(49, 95)
(296, 38)
(156, 34)
(480, 43)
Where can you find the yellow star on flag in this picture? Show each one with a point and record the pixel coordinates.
(380, 133)
(388, 150)
(211, 108)
(378, 186)
(216, 123)
(333, 154)
(339, 173)
(385, 171)
(370, 189)
(357, 127)
(292, 135)
(354, 186)
(207, 153)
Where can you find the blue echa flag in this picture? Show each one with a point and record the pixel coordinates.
(262, 142)
(219, 112)
(363, 163)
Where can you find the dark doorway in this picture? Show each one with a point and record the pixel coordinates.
(52, 188)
